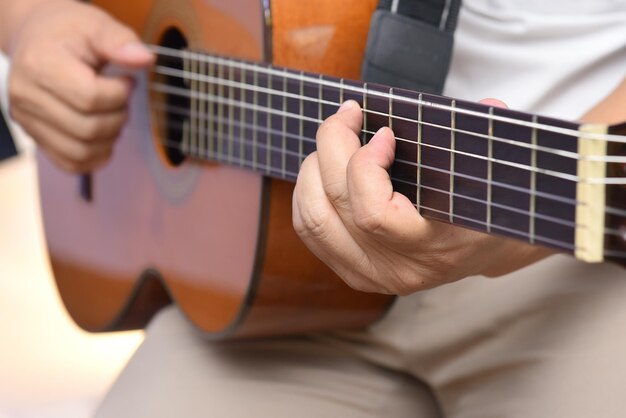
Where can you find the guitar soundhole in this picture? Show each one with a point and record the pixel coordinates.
(170, 99)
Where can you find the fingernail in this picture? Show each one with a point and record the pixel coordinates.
(135, 50)
(348, 104)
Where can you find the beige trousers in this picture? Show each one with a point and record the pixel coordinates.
(547, 341)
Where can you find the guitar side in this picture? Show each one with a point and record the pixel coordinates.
(217, 240)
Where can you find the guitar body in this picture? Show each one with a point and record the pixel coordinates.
(215, 239)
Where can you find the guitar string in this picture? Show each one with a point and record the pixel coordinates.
(317, 80)
(341, 84)
(520, 233)
(162, 88)
(161, 70)
(555, 242)
(269, 170)
(183, 112)
(279, 93)
(572, 202)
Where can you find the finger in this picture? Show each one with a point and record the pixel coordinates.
(376, 208)
(86, 127)
(115, 43)
(337, 140)
(320, 227)
(72, 154)
(80, 87)
(493, 102)
(71, 166)
(351, 275)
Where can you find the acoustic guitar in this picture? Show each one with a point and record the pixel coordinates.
(195, 206)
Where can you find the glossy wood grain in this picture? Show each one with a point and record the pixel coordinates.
(215, 239)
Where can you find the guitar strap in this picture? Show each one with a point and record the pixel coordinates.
(7, 146)
(410, 44)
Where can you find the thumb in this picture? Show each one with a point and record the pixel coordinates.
(115, 43)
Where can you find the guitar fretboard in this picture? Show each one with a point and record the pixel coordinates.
(490, 169)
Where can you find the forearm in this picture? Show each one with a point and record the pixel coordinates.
(611, 109)
(14, 13)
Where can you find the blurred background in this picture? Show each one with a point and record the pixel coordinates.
(49, 368)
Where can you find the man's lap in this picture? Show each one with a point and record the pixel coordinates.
(545, 341)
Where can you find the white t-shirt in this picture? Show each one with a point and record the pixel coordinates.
(553, 57)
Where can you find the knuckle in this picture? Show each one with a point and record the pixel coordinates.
(87, 98)
(101, 128)
(308, 161)
(82, 153)
(91, 130)
(357, 164)
(17, 93)
(336, 193)
(362, 283)
(328, 128)
(16, 114)
(29, 61)
(356, 282)
(370, 221)
(72, 166)
(313, 222)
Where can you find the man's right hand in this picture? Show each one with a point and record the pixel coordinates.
(57, 49)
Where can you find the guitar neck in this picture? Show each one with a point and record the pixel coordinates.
(490, 169)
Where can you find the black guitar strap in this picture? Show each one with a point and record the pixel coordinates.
(7, 146)
(410, 44)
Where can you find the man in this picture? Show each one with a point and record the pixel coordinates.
(539, 341)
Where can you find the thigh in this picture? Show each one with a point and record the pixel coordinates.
(545, 342)
(176, 373)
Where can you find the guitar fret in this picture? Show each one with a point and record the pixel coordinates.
(202, 111)
(220, 112)
(185, 135)
(390, 123)
(533, 184)
(231, 115)
(452, 160)
(419, 152)
(365, 127)
(284, 130)
(255, 119)
(320, 114)
(242, 94)
(268, 122)
(209, 122)
(489, 168)
(301, 121)
(193, 140)
(341, 92)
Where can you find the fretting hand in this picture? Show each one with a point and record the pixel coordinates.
(346, 212)
(56, 91)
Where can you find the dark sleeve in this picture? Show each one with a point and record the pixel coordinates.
(7, 146)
